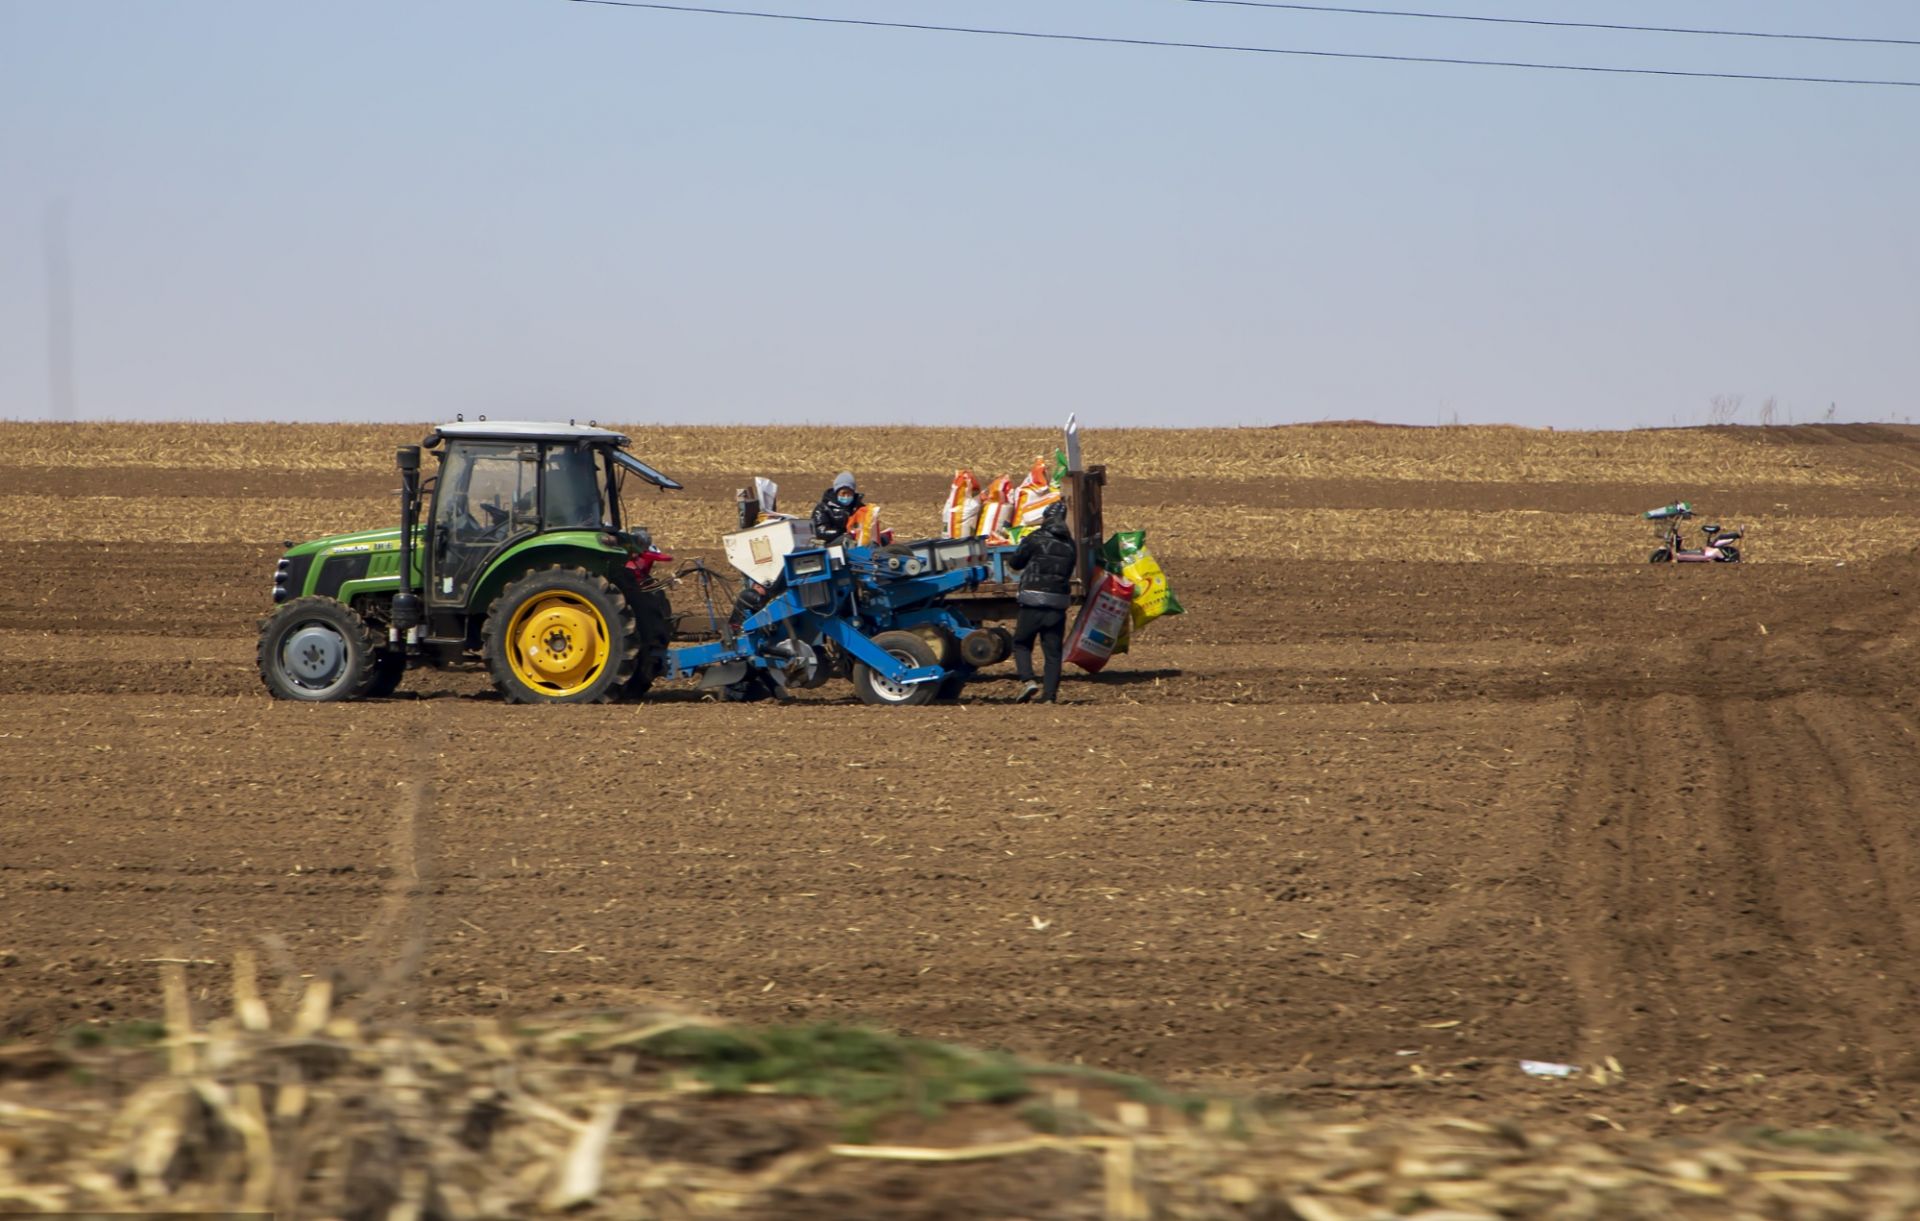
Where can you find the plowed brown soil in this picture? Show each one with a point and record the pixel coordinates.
(1361, 831)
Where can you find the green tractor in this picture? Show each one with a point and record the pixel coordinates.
(524, 565)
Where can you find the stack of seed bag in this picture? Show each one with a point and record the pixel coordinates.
(961, 517)
(1000, 510)
(1038, 492)
(1129, 592)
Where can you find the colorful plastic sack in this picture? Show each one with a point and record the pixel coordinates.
(962, 517)
(1102, 620)
(1126, 553)
(863, 528)
(996, 510)
(1035, 493)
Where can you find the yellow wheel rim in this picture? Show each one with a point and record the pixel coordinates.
(558, 644)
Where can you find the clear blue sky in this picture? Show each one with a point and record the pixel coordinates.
(367, 209)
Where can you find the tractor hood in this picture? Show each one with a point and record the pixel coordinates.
(386, 539)
(341, 565)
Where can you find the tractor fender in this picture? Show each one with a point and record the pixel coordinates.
(568, 548)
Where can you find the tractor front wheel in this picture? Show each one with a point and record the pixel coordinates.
(318, 651)
(911, 651)
(560, 636)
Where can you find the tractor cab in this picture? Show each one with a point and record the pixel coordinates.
(515, 556)
(502, 484)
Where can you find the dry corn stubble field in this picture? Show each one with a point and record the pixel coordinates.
(1436, 774)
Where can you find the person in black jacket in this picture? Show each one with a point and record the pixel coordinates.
(837, 504)
(1045, 561)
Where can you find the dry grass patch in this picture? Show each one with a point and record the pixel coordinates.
(1175, 532)
(650, 1115)
(195, 519)
(1472, 454)
(1509, 537)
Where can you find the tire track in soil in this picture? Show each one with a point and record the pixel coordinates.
(1615, 955)
(1763, 994)
(1869, 750)
(1677, 942)
(394, 943)
(1820, 797)
(1782, 984)
(1741, 887)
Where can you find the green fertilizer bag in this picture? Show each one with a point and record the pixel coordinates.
(1126, 553)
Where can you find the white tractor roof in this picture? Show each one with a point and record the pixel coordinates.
(528, 430)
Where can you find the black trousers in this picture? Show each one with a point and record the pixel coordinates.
(1049, 626)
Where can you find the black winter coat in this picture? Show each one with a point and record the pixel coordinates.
(830, 516)
(1045, 561)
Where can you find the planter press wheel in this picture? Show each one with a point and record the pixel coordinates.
(911, 650)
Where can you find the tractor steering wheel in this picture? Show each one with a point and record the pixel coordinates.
(496, 525)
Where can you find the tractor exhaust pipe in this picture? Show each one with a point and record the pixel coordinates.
(407, 613)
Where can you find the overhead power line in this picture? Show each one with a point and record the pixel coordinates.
(1562, 25)
(1115, 40)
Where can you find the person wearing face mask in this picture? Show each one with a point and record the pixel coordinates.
(840, 502)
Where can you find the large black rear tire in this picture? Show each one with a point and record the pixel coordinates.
(653, 623)
(873, 689)
(317, 651)
(560, 636)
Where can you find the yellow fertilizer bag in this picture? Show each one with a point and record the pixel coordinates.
(1126, 553)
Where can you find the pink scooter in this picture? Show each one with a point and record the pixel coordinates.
(1718, 546)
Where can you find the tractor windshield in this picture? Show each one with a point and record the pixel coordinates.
(488, 496)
